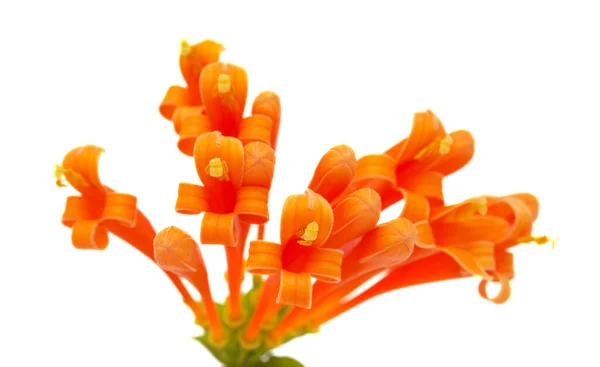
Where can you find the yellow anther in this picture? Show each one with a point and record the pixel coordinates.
(185, 47)
(309, 234)
(223, 83)
(61, 174)
(438, 146)
(217, 168)
(445, 144)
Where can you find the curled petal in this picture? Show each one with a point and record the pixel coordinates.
(416, 207)
(474, 229)
(120, 208)
(191, 199)
(393, 241)
(224, 88)
(295, 289)
(219, 229)
(89, 235)
(181, 113)
(252, 204)
(176, 97)
(460, 153)
(264, 257)
(259, 165)
(515, 211)
(267, 103)
(476, 257)
(177, 252)
(300, 211)
(325, 265)
(428, 184)
(81, 166)
(461, 211)
(256, 128)
(81, 208)
(505, 263)
(425, 129)
(227, 150)
(354, 216)
(334, 172)
(377, 171)
(192, 126)
(504, 293)
(425, 238)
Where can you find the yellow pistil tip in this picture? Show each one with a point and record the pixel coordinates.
(445, 144)
(217, 168)
(309, 234)
(223, 83)
(185, 47)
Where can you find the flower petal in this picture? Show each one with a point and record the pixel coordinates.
(425, 129)
(229, 150)
(416, 207)
(428, 184)
(477, 228)
(219, 229)
(334, 172)
(176, 97)
(354, 216)
(191, 199)
(256, 128)
(264, 257)
(192, 126)
(267, 103)
(224, 88)
(475, 257)
(82, 166)
(301, 210)
(325, 265)
(295, 289)
(390, 242)
(176, 251)
(460, 153)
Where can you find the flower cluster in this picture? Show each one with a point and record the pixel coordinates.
(331, 239)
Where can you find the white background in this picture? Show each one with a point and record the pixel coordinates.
(522, 76)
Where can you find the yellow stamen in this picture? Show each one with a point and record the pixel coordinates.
(309, 234)
(438, 146)
(445, 144)
(186, 49)
(223, 83)
(217, 168)
(540, 240)
(61, 174)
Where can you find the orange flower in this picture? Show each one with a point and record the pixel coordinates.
(192, 60)
(330, 235)
(306, 223)
(216, 97)
(99, 210)
(417, 164)
(236, 187)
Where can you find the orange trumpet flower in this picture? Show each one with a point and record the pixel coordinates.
(331, 241)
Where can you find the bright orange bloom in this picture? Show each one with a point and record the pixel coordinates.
(331, 241)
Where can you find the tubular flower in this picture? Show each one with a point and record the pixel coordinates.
(331, 241)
